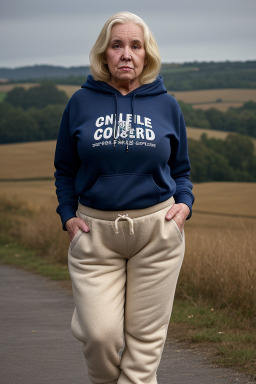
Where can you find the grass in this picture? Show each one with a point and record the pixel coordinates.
(220, 252)
(229, 338)
(13, 254)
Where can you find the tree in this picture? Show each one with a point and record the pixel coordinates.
(239, 151)
(48, 120)
(18, 127)
(16, 97)
(38, 96)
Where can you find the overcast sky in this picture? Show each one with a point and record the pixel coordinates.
(62, 32)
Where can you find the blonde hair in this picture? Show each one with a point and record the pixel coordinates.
(98, 66)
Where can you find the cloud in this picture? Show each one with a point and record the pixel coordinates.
(53, 31)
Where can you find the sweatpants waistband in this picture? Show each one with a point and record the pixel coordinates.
(133, 213)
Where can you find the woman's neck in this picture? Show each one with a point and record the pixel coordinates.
(124, 86)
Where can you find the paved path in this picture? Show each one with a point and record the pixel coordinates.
(37, 346)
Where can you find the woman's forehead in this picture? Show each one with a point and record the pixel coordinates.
(132, 30)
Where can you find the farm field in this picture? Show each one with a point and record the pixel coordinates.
(27, 160)
(204, 99)
(32, 193)
(212, 199)
(211, 95)
(35, 159)
(226, 198)
(220, 236)
(25, 168)
(222, 106)
(195, 133)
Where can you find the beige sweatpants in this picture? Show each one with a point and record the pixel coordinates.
(124, 273)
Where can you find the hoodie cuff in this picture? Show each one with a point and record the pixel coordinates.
(185, 199)
(67, 213)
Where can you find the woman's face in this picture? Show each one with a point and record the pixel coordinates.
(126, 54)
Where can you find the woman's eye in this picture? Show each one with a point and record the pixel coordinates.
(116, 46)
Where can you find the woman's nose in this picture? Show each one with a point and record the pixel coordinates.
(126, 53)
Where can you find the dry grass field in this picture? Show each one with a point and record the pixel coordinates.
(220, 258)
(35, 160)
(32, 193)
(223, 202)
(220, 106)
(220, 99)
(195, 133)
(203, 99)
(27, 160)
(211, 95)
(220, 237)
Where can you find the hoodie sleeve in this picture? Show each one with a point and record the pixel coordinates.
(180, 168)
(66, 163)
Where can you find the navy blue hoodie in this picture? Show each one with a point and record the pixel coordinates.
(120, 152)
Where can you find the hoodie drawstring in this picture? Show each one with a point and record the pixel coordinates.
(133, 114)
(116, 129)
(115, 122)
(124, 217)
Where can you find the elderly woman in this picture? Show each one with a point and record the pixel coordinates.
(122, 179)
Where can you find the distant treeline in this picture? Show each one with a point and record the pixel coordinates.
(213, 75)
(35, 73)
(232, 159)
(177, 77)
(39, 96)
(241, 120)
(35, 115)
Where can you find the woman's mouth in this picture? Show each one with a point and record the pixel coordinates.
(125, 68)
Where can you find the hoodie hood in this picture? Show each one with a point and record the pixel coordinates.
(146, 90)
(155, 88)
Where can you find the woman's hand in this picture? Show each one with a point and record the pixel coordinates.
(178, 212)
(74, 224)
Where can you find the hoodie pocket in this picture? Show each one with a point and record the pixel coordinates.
(125, 191)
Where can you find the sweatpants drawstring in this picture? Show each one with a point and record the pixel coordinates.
(124, 217)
